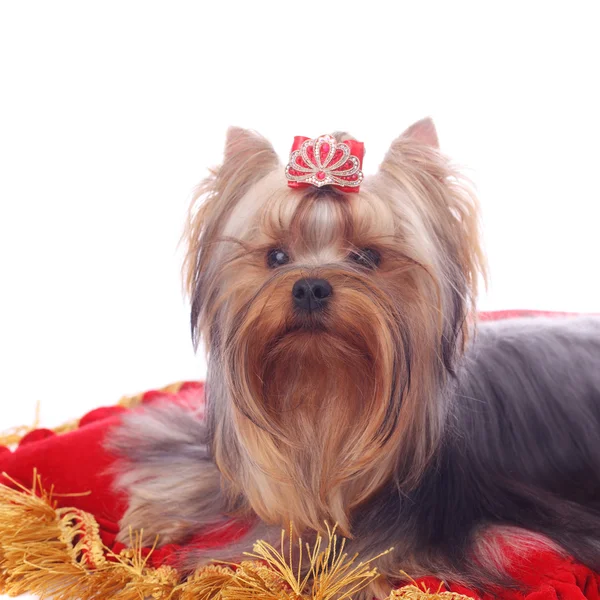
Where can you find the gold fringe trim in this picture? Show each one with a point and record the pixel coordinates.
(57, 553)
(414, 592)
(422, 592)
(16, 434)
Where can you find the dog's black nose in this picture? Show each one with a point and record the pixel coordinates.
(311, 294)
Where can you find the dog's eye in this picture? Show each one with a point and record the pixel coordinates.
(366, 257)
(277, 257)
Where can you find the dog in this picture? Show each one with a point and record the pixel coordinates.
(350, 383)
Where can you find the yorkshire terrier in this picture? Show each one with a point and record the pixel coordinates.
(349, 383)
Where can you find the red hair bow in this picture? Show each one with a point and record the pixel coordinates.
(325, 161)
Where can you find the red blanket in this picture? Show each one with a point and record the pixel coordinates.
(75, 463)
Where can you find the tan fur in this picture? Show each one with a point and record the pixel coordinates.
(313, 420)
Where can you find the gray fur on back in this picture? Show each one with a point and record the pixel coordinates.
(540, 381)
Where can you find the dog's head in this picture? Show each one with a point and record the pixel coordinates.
(331, 320)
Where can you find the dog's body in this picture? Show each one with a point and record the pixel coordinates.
(366, 397)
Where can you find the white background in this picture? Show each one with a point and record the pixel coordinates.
(111, 112)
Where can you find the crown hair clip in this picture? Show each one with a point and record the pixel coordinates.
(325, 161)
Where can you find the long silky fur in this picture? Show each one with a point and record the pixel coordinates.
(519, 456)
(389, 413)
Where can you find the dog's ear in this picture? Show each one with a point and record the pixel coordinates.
(248, 157)
(246, 147)
(422, 132)
(419, 139)
(417, 146)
